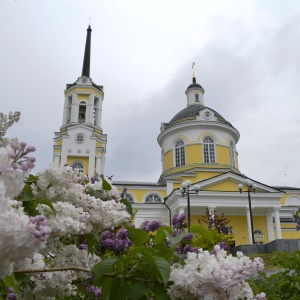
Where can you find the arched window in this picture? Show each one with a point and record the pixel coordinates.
(232, 154)
(129, 197)
(209, 150)
(78, 165)
(179, 153)
(196, 98)
(153, 198)
(82, 111)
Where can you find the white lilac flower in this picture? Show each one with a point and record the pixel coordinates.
(214, 276)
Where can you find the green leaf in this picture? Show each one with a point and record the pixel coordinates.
(161, 266)
(12, 282)
(106, 285)
(89, 190)
(127, 203)
(160, 235)
(175, 240)
(92, 241)
(98, 194)
(138, 236)
(103, 266)
(163, 296)
(139, 250)
(46, 202)
(27, 195)
(204, 232)
(118, 289)
(137, 290)
(160, 292)
(161, 249)
(105, 185)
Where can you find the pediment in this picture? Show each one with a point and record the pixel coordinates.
(229, 182)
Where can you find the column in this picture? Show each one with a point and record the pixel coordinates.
(74, 109)
(90, 110)
(169, 187)
(249, 225)
(277, 223)
(181, 210)
(270, 227)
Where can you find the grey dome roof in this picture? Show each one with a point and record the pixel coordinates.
(192, 111)
(195, 85)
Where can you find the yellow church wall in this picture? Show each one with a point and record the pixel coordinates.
(83, 160)
(139, 195)
(86, 90)
(285, 196)
(223, 186)
(290, 234)
(83, 97)
(59, 142)
(239, 227)
(223, 155)
(193, 154)
(99, 144)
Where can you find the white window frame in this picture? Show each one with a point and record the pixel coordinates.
(129, 195)
(209, 150)
(179, 153)
(74, 163)
(154, 197)
(232, 154)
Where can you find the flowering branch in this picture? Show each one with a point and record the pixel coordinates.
(75, 268)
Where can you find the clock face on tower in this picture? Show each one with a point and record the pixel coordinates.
(79, 138)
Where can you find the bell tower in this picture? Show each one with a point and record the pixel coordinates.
(80, 142)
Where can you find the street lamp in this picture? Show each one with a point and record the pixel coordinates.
(185, 190)
(251, 187)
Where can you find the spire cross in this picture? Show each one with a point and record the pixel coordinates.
(90, 21)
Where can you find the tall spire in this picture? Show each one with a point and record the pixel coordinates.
(87, 54)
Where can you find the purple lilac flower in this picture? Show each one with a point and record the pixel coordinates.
(223, 245)
(83, 247)
(189, 236)
(117, 243)
(150, 226)
(107, 234)
(10, 293)
(97, 291)
(178, 221)
(39, 228)
(189, 248)
(123, 233)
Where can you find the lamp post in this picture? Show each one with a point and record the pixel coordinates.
(251, 187)
(185, 190)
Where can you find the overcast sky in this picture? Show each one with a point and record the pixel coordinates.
(246, 55)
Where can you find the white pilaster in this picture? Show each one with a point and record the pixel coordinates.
(181, 211)
(277, 224)
(74, 109)
(98, 113)
(169, 187)
(270, 227)
(90, 109)
(249, 225)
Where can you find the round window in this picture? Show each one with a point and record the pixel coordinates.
(207, 115)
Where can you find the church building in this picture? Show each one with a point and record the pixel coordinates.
(199, 162)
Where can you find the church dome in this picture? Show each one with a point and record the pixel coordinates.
(191, 111)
